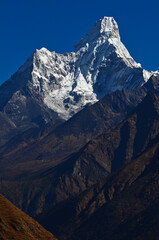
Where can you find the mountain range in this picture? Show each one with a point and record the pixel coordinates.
(122, 206)
(79, 139)
(51, 86)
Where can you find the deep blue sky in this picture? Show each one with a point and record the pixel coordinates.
(58, 25)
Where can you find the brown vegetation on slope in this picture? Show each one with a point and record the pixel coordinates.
(14, 224)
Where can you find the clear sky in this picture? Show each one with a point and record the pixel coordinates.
(58, 25)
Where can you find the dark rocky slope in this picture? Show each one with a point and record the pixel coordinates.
(123, 206)
(83, 126)
(38, 184)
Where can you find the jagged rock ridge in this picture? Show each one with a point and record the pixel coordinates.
(62, 84)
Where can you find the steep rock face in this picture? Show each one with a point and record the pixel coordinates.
(34, 160)
(47, 167)
(7, 128)
(83, 126)
(60, 85)
(123, 143)
(78, 130)
(123, 206)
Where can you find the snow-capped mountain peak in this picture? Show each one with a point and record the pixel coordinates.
(66, 83)
(108, 27)
(101, 31)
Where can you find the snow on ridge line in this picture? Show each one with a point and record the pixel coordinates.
(100, 65)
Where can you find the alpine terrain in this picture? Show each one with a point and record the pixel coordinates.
(79, 143)
(52, 86)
